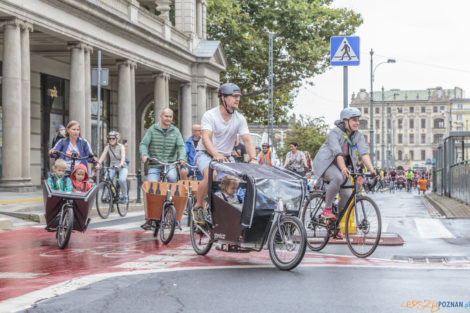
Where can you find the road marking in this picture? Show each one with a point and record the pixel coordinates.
(122, 226)
(21, 275)
(4, 202)
(429, 228)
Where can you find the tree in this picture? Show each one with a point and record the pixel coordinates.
(302, 31)
(310, 133)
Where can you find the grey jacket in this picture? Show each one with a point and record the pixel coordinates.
(332, 148)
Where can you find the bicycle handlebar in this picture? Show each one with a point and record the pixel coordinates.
(72, 156)
(153, 160)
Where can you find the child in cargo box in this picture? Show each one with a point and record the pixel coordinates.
(229, 187)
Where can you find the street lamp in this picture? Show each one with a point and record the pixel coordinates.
(371, 124)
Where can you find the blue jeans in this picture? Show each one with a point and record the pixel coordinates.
(154, 174)
(122, 178)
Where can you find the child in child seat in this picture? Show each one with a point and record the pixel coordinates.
(229, 187)
(58, 180)
(79, 179)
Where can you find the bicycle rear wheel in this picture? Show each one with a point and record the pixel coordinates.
(168, 223)
(104, 200)
(315, 227)
(287, 243)
(124, 208)
(64, 230)
(363, 227)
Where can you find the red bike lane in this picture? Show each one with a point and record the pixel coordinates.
(30, 259)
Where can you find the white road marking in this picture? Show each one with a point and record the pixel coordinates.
(429, 228)
(122, 226)
(21, 275)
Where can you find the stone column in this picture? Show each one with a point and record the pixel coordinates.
(215, 98)
(131, 147)
(185, 15)
(124, 99)
(86, 129)
(26, 104)
(204, 19)
(77, 85)
(186, 112)
(12, 104)
(161, 99)
(201, 101)
(164, 7)
(199, 11)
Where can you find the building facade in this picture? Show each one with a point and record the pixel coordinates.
(409, 125)
(157, 55)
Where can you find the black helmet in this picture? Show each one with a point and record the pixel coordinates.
(229, 89)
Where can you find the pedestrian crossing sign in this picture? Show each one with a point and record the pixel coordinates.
(344, 51)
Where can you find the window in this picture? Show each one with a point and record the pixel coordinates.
(442, 108)
(400, 110)
(434, 109)
(377, 110)
(412, 138)
(389, 110)
(438, 138)
(377, 155)
(400, 155)
(377, 124)
(377, 138)
(365, 138)
(400, 138)
(412, 109)
(423, 123)
(423, 154)
(459, 106)
(389, 123)
(412, 123)
(459, 117)
(423, 109)
(423, 138)
(438, 123)
(366, 111)
(400, 123)
(362, 124)
(412, 155)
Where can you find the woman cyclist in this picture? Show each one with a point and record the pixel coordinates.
(344, 146)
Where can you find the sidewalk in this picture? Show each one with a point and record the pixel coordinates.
(446, 207)
(30, 207)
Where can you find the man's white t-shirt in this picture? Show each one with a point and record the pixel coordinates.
(224, 134)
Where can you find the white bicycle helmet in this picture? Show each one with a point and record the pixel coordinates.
(348, 113)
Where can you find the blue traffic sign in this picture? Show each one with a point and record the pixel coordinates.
(344, 51)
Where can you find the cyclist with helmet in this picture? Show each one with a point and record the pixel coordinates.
(220, 127)
(265, 156)
(117, 162)
(344, 146)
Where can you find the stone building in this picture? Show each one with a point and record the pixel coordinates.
(155, 51)
(414, 123)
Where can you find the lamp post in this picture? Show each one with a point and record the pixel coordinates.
(371, 124)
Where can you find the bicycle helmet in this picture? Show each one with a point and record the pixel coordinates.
(114, 133)
(226, 90)
(348, 113)
(265, 145)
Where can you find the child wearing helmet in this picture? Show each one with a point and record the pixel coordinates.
(344, 146)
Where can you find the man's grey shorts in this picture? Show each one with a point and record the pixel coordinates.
(202, 161)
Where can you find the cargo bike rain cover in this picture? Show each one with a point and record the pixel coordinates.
(266, 186)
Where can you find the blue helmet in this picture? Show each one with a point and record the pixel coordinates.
(348, 113)
(229, 89)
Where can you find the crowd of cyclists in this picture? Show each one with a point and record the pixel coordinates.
(397, 179)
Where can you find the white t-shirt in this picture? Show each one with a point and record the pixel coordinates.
(224, 134)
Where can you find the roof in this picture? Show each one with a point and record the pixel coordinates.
(206, 48)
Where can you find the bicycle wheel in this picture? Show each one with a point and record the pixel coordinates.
(363, 227)
(189, 208)
(287, 243)
(168, 223)
(201, 236)
(315, 227)
(65, 227)
(104, 202)
(124, 208)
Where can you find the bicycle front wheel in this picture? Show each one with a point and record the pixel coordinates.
(168, 223)
(124, 208)
(287, 243)
(201, 237)
(363, 227)
(64, 230)
(315, 227)
(104, 200)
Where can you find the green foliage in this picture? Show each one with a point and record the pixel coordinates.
(302, 31)
(310, 133)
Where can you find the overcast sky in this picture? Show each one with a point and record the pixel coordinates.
(430, 41)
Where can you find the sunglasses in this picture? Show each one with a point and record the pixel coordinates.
(111, 138)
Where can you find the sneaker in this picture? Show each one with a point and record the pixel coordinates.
(178, 225)
(327, 213)
(339, 235)
(123, 200)
(147, 225)
(198, 215)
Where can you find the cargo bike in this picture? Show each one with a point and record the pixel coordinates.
(270, 201)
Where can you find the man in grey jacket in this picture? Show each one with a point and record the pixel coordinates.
(344, 146)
